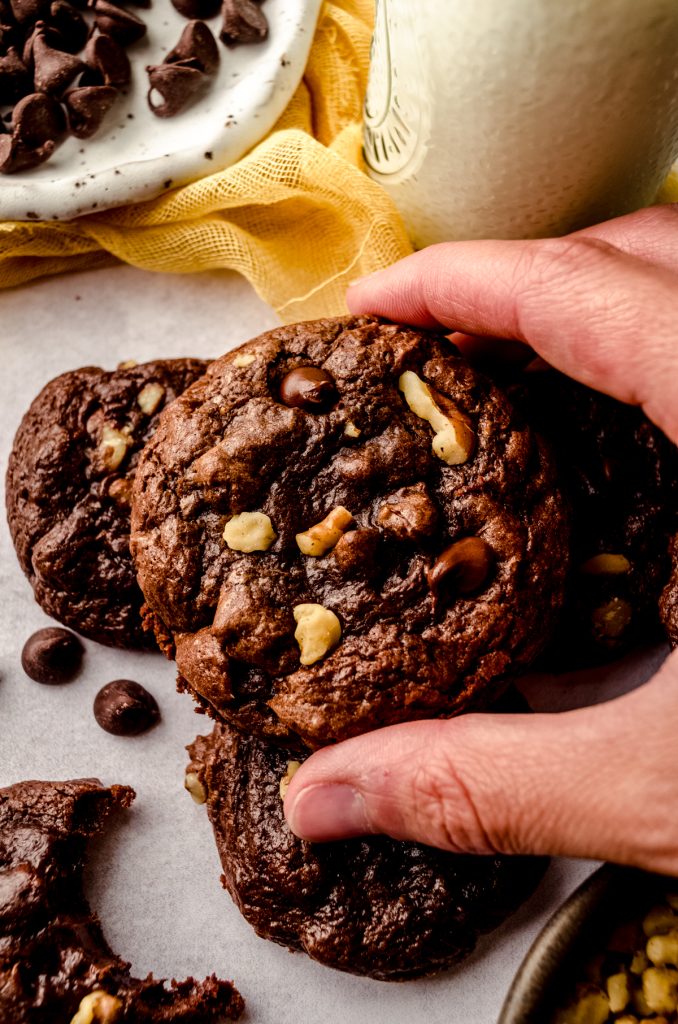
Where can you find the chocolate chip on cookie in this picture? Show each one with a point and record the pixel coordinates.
(68, 492)
(320, 581)
(55, 964)
(373, 906)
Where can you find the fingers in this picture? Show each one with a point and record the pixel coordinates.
(650, 235)
(599, 782)
(603, 317)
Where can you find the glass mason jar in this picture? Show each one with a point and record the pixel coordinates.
(520, 118)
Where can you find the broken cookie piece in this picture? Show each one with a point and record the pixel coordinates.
(55, 964)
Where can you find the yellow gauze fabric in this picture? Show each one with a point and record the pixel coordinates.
(297, 216)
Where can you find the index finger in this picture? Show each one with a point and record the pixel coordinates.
(604, 317)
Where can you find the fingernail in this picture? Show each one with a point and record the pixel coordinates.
(325, 812)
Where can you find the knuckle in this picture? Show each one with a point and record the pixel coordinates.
(553, 262)
(443, 805)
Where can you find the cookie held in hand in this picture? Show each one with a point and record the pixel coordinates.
(342, 526)
(386, 909)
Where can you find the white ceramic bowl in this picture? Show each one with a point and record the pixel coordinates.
(137, 155)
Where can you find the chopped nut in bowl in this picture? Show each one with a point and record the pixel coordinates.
(608, 956)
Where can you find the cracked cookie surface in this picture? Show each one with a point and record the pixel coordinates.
(342, 525)
(374, 906)
(69, 482)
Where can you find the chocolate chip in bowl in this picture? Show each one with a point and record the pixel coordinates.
(367, 532)
(87, 164)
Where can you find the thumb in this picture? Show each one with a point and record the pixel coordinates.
(594, 783)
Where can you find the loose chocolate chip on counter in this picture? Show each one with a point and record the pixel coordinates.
(176, 84)
(125, 708)
(52, 656)
(196, 43)
(197, 8)
(243, 22)
(463, 568)
(113, 21)
(108, 64)
(87, 107)
(308, 388)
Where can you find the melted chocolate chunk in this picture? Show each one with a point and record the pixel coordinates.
(462, 568)
(308, 388)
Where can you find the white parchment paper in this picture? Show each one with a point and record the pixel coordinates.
(154, 878)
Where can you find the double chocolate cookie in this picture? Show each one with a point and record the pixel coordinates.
(386, 909)
(69, 484)
(343, 525)
(55, 964)
(668, 605)
(620, 473)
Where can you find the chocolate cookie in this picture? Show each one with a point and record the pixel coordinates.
(68, 492)
(374, 906)
(55, 964)
(668, 605)
(342, 526)
(621, 475)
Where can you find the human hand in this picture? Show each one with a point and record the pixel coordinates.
(602, 306)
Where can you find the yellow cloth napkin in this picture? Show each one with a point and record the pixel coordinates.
(297, 216)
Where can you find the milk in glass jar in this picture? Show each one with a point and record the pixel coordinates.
(521, 118)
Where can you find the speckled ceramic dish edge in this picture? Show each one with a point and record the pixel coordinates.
(137, 156)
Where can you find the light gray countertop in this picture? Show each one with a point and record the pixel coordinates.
(155, 877)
